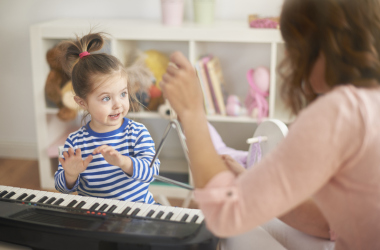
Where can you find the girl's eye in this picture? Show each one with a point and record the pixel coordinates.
(124, 94)
(106, 99)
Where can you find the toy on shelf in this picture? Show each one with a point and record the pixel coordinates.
(255, 21)
(147, 71)
(256, 102)
(58, 87)
(234, 106)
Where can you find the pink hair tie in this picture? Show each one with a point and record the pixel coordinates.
(83, 54)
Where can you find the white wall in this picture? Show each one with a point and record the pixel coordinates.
(17, 124)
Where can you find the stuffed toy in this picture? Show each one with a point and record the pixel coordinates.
(146, 73)
(58, 84)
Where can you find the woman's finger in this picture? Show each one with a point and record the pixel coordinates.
(180, 60)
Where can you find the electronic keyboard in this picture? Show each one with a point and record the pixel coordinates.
(49, 220)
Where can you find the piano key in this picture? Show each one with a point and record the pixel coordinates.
(17, 192)
(50, 200)
(153, 208)
(120, 207)
(195, 218)
(159, 214)
(72, 203)
(43, 199)
(38, 196)
(136, 205)
(166, 211)
(176, 211)
(3, 193)
(126, 210)
(169, 216)
(112, 205)
(180, 215)
(193, 212)
(95, 205)
(135, 211)
(68, 198)
(91, 201)
(200, 218)
(143, 209)
(22, 196)
(150, 213)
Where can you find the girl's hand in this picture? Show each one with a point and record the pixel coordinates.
(113, 157)
(73, 165)
(181, 87)
(233, 165)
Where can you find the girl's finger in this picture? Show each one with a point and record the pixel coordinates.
(70, 151)
(65, 154)
(61, 160)
(180, 60)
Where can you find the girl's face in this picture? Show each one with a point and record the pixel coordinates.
(108, 103)
(317, 76)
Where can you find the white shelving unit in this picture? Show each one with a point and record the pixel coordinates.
(238, 47)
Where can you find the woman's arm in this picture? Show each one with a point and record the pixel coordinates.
(307, 218)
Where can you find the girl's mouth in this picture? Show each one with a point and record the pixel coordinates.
(114, 117)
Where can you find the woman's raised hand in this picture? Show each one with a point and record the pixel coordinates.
(181, 87)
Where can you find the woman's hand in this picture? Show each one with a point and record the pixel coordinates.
(73, 165)
(233, 165)
(113, 157)
(181, 87)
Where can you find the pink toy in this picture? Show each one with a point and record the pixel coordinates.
(233, 107)
(259, 89)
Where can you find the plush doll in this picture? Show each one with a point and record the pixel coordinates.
(256, 102)
(56, 80)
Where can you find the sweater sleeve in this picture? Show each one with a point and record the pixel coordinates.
(59, 176)
(142, 157)
(319, 145)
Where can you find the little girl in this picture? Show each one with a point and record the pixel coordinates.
(110, 156)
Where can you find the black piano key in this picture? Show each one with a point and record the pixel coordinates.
(169, 215)
(72, 203)
(50, 201)
(158, 216)
(9, 195)
(126, 210)
(102, 208)
(93, 207)
(195, 218)
(3, 193)
(184, 218)
(151, 212)
(81, 204)
(43, 199)
(59, 201)
(135, 211)
(112, 208)
(30, 197)
(22, 196)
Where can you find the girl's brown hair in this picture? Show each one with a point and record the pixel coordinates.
(86, 71)
(346, 31)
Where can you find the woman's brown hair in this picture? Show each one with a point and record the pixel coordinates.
(91, 68)
(346, 31)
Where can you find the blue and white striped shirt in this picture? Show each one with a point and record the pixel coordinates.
(104, 180)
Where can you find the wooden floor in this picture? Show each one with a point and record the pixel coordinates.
(24, 174)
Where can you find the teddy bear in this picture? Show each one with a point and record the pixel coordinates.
(58, 87)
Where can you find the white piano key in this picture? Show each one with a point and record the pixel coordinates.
(39, 195)
(122, 205)
(90, 202)
(18, 193)
(176, 211)
(80, 199)
(30, 192)
(135, 206)
(166, 211)
(106, 201)
(68, 199)
(192, 213)
(181, 214)
(113, 202)
(153, 207)
(143, 208)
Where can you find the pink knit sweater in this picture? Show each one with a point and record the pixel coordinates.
(331, 153)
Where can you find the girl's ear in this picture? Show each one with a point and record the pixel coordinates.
(80, 102)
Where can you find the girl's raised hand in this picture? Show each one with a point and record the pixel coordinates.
(73, 164)
(113, 157)
(181, 87)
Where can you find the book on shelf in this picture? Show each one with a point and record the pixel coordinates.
(216, 81)
(208, 102)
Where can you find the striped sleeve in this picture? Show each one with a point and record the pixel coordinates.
(59, 176)
(143, 155)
